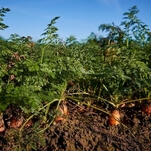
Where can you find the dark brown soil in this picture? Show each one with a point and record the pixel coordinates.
(86, 131)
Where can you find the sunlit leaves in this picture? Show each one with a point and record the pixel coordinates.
(2, 14)
(130, 28)
(50, 34)
(134, 27)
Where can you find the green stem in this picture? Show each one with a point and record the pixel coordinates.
(55, 100)
(137, 100)
(42, 55)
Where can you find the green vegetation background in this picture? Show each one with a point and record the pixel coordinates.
(114, 68)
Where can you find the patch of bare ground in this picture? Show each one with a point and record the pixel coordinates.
(89, 131)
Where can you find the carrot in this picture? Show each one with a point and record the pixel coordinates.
(2, 126)
(29, 124)
(146, 108)
(63, 110)
(58, 119)
(114, 118)
(63, 113)
(16, 122)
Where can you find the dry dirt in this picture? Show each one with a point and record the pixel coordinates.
(87, 131)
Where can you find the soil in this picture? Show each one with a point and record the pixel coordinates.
(85, 130)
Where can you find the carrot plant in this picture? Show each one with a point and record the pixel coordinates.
(110, 69)
(126, 73)
(118, 71)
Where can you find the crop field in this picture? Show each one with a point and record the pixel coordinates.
(77, 96)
